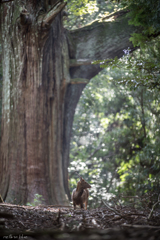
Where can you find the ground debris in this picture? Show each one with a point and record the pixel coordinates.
(49, 222)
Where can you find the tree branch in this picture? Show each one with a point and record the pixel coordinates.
(6, 1)
(98, 41)
(50, 16)
(116, 14)
(151, 213)
(112, 209)
(79, 62)
(79, 80)
(139, 226)
(1, 199)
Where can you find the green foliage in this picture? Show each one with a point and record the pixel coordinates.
(145, 14)
(116, 138)
(38, 199)
(81, 13)
(82, 7)
(141, 68)
(116, 133)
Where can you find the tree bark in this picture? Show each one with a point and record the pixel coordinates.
(34, 89)
(45, 69)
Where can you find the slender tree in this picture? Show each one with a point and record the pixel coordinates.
(45, 69)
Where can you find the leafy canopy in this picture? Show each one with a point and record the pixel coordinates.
(116, 137)
(83, 12)
(116, 134)
(146, 15)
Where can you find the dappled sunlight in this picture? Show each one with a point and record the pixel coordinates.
(80, 119)
(108, 143)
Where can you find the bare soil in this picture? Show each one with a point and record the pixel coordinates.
(56, 222)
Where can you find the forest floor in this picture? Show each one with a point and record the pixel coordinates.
(53, 222)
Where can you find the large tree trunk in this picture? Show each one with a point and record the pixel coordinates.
(34, 88)
(45, 69)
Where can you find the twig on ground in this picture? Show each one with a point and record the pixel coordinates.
(140, 226)
(112, 209)
(151, 213)
(1, 199)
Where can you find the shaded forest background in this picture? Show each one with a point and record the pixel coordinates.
(116, 133)
(115, 142)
